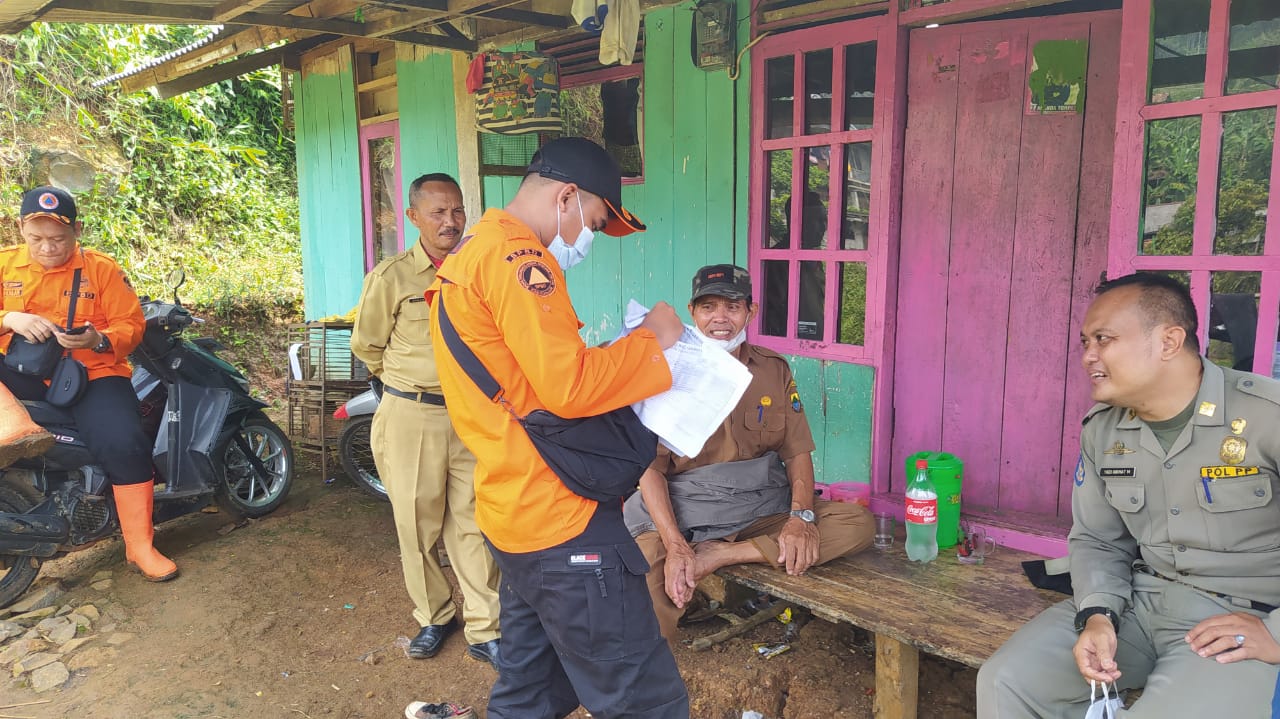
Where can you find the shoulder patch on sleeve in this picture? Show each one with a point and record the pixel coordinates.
(1259, 386)
(537, 277)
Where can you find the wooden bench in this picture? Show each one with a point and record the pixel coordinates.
(962, 612)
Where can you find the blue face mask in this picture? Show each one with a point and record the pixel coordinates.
(569, 255)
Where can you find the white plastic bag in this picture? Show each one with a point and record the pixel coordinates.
(1106, 706)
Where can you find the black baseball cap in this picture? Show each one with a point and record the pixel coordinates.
(46, 201)
(728, 281)
(589, 166)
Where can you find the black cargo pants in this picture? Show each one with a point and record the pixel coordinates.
(578, 628)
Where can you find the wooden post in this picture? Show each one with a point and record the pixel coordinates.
(468, 141)
(897, 679)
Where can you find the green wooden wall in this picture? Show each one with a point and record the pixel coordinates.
(694, 200)
(329, 194)
(428, 124)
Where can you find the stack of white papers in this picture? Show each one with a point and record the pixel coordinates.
(706, 384)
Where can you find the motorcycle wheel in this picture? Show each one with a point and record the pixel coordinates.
(241, 488)
(356, 453)
(17, 572)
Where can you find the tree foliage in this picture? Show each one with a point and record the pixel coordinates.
(204, 180)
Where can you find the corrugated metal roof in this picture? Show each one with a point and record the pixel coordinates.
(217, 30)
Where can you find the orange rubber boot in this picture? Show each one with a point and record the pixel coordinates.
(133, 503)
(19, 436)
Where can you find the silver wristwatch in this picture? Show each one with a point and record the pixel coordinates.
(805, 515)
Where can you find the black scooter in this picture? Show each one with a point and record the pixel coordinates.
(212, 442)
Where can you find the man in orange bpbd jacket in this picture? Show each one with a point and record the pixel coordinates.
(577, 622)
(37, 277)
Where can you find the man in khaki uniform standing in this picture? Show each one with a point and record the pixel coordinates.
(424, 466)
(1175, 543)
(748, 495)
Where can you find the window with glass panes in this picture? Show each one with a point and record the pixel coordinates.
(1207, 213)
(816, 240)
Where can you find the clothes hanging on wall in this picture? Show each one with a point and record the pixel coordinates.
(621, 32)
(520, 94)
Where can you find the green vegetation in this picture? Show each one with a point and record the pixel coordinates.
(204, 180)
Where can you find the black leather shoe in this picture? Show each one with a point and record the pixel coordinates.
(485, 652)
(428, 642)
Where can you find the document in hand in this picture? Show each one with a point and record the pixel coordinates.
(706, 384)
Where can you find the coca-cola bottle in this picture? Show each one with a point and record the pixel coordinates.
(922, 516)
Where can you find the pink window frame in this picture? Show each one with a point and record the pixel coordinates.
(610, 74)
(391, 129)
(885, 151)
(1133, 112)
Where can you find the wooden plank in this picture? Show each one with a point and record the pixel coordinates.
(468, 143)
(812, 8)
(897, 679)
(688, 130)
(932, 85)
(663, 48)
(961, 612)
(1039, 340)
(377, 84)
(958, 10)
(988, 118)
(385, 117)
(230, 9)
(1092, 227)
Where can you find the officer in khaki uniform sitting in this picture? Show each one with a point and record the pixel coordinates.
(748, 496)
(425, 467)
(1175, 546)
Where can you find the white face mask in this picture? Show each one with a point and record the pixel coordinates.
(1107, 706)
(569, 255)
(730, 344)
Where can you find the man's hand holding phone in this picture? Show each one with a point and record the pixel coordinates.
(85, 336)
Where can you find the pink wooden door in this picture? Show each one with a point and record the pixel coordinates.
(1003, 238)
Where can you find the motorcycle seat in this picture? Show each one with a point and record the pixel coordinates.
(46, 415)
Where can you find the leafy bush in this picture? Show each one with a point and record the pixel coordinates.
(204, 180)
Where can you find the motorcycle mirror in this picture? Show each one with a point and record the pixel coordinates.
(175, 279)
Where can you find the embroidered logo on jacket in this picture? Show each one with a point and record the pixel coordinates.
(536, 277)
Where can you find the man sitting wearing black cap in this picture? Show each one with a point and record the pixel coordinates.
(760, 456)
(38, 277)
(575, 617)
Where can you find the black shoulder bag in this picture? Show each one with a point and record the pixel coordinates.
(70, 379)
(39, 359)
(600, 457)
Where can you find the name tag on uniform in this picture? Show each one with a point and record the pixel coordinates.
(584, 559)
(417, 299)
(1227, 471)
(1116, 472)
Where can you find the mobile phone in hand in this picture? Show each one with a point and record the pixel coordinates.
(77, 330)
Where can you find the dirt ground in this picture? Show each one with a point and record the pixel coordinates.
(298, 615)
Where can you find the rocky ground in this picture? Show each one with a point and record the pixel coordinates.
(303, 614)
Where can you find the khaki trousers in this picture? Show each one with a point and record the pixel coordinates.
(1034, 674)
(843, 529)
(428, 475)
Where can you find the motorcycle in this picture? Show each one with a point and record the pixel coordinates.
(354, 448)
(211, 443)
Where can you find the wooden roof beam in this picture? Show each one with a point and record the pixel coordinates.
(237, 67)
(230, 9)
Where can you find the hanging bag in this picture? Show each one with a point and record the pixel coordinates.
(600, 457)
(69, 378)
(39, 359)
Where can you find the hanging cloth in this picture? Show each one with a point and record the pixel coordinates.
(621, 32)
(520, 94)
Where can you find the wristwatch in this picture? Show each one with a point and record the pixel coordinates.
(1082, 617)
(805, 515)
(103, 345)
